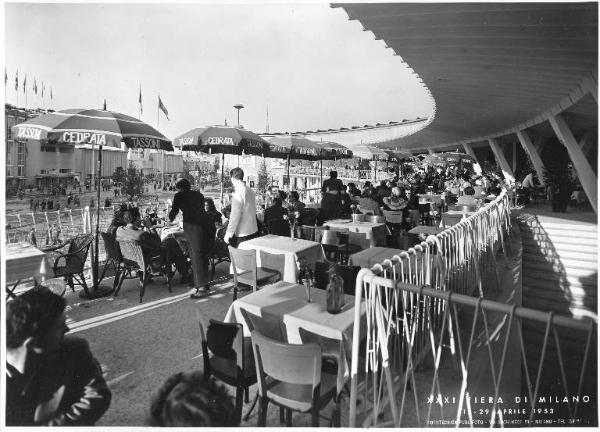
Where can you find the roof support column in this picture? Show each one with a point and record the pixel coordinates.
(469, 150)
(534, 156)
(430, 151)
(584, 170)
(590, 85)
(504, 166)
(586, 144)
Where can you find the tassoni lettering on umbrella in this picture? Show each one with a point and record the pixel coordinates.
(29, 132)
(84, 137)
(145, 142)
(220, 141)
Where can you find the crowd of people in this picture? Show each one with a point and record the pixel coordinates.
(41, 359)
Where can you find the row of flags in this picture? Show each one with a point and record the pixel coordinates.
(34, 87)
(161, 105)
(42, 89)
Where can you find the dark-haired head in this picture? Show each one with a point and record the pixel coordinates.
(32, 314)
(469, 190)
(333, 174)
(237, 173)
(210, 204)
(188, 399)
(183, 184)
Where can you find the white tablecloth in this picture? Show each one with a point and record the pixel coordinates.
(24, 261)
(375, 232)
(293, 249)
(288, 302)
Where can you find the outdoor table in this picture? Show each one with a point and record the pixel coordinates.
(24, 261)
(426, 229)
(430, 198)
(294, 249)
(375, 232)
(286, 304)
(369, 257)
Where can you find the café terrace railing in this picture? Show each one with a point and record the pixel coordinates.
(425, 310)
(343, 173)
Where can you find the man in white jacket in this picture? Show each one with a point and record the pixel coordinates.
(242, 224)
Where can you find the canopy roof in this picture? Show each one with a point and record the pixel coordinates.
(491, 67)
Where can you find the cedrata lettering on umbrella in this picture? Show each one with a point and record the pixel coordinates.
(29, 132)
(145, 142)
(84, 137)
(186, 141)
(220, 141)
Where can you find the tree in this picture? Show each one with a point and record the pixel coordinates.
(133, 185)
(119, 176)
(188, 175)
(263, 177)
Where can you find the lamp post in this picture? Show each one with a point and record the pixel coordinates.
(238, 107)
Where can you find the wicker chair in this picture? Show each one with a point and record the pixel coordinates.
(145, 267)
(113, 256)
(70, 265)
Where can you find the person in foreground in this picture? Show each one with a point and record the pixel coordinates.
(199, 230)
(242, 224)
(51, 380)
(188, 399)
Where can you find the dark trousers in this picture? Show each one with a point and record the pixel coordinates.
(175, 255)
(198, 249)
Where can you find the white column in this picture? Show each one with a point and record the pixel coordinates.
(536, 160)
(504, 166)
(584, 170)
(469, 150)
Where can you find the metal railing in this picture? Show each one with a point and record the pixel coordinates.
(412, 302)
(344, 174)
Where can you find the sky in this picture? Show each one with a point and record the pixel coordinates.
(309, 65)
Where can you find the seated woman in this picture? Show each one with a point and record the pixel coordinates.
(158, 253)
(366, 202)
(276, 211)
(209, 207)
(468, 199)
(396, 200)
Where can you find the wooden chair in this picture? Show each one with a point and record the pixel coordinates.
(145, 267)
(346, 247)
(309, 216)
(229, 357)
(247, 272)
(271, 261)
(219, 254)
(307, 232)
(330, 242)
(291, 377)
(268, 325)
(70, 265)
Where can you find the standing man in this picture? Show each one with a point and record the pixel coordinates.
(242, 224)
(199, 230)
(51, 380)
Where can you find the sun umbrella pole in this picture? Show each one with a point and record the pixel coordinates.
(289, 181)
(222, 177)
(97, 233)
(375, 178)
(321, 171)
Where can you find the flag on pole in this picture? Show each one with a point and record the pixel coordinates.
(5, 77)
(24, 83)
(17, 80)
(162, 107)
(35, 85)
(140, 101)
(51, 93)
(104, 106)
